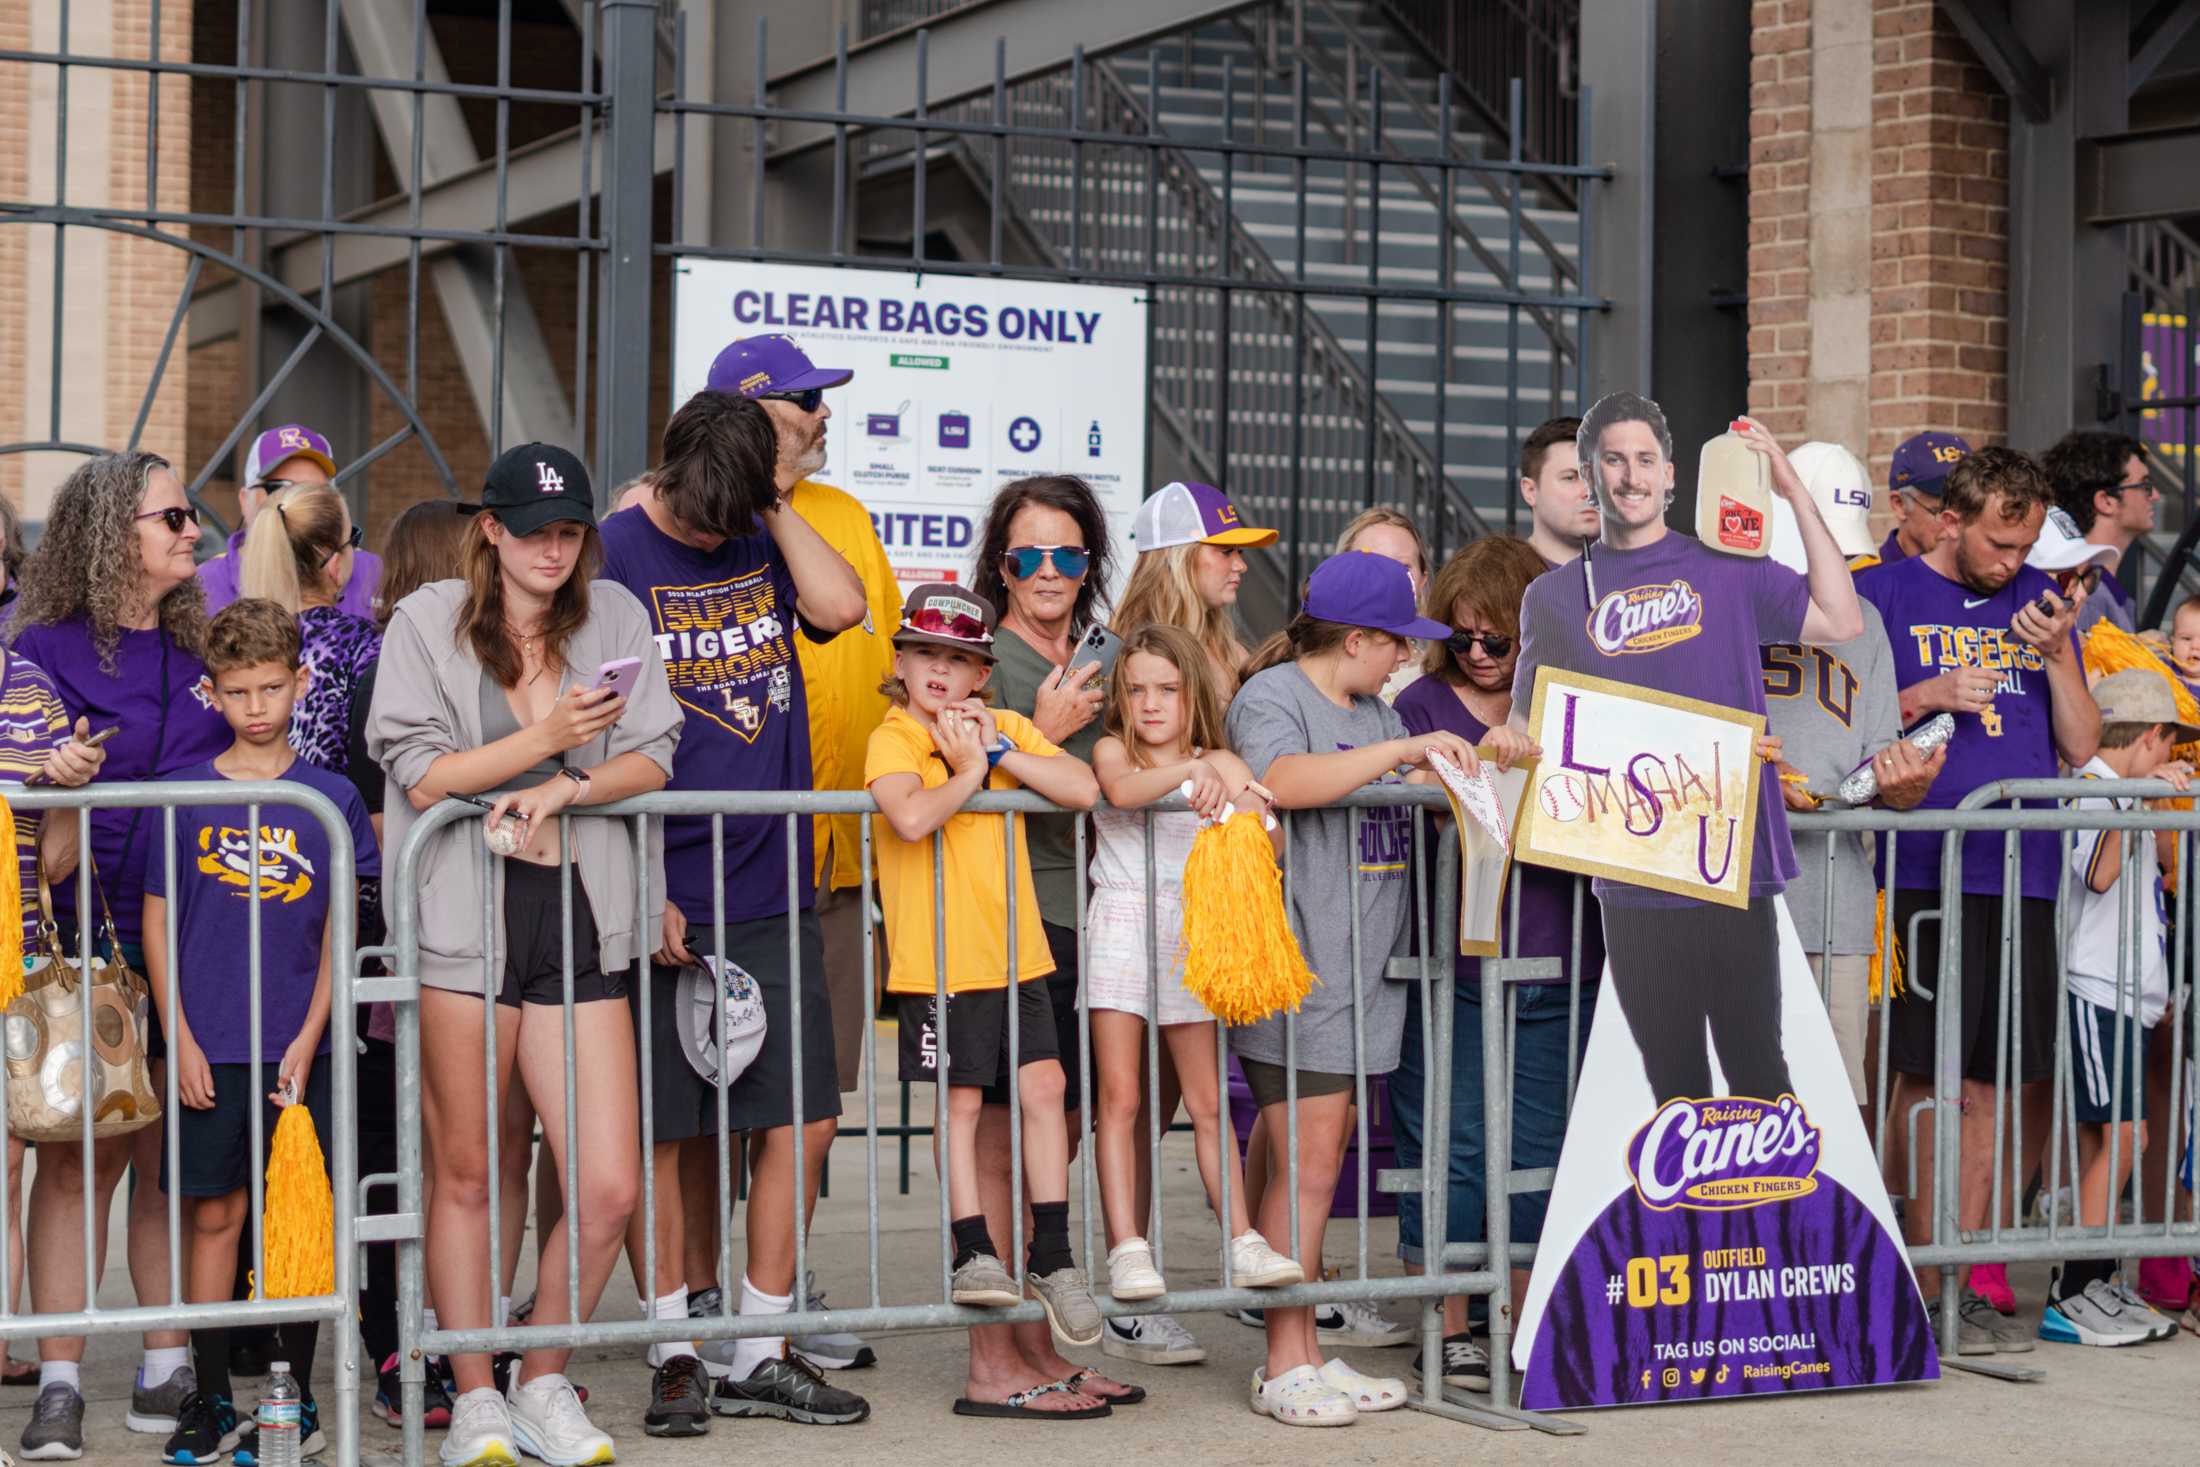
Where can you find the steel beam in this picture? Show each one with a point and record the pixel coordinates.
(2157, 34)
(623, 357)
(1040, 34)
(1985, 24)
(1619, 67)
(2129, 177)
(533, 396)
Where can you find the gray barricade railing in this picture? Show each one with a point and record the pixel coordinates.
(336, 1311)
(876, 1314)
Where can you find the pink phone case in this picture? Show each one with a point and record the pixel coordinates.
(619, 675)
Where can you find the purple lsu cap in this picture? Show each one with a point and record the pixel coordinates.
(756, 365)
(271, 449)
(1361, 589)
(1923, 461)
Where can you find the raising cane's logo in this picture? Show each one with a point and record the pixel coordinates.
(1724, 1153)
(1646, 618)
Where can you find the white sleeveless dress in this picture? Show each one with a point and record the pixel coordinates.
(1115, 972)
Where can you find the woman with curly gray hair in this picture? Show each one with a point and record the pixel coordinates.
(109, 605)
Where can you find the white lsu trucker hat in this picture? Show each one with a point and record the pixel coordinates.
(1843, 494)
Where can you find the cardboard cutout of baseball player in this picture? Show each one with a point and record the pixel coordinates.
(1718, 1226)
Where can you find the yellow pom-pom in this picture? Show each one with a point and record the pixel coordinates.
(11, 915)
(2109, 648)
(1880, 964)
(1240, 958)
(301, 1212)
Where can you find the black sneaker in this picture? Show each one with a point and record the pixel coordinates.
(310, 1441)
(679, 1399)
(247, 1354)
(791, 1389)
(206, 1427)
(1466, 1363)
(389, 1397)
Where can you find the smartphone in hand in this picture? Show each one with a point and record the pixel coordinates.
(619, 675)
(1097, 645)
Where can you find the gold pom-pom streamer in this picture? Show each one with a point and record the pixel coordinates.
(11, 915)
(2109, 648)
(1880, 964)
(1240, 959)
(301, 1212)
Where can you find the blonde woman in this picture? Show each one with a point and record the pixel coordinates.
(301, 553)
(1191, 557)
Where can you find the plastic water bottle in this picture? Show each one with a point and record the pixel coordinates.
(280, 1419)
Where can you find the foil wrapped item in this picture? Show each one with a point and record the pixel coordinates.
(1862, 783)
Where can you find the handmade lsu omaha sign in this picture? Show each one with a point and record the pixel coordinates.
(1641, 786)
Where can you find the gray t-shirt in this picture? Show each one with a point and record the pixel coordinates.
(2101, 606)
(1833, 708)
(1018, 670)
(1279, 712)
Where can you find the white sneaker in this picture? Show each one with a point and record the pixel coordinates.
(2163, 1326)
(1131, 1274)
(480, 1433)
(1358, 1324)
(1255, 1265)
(549, 1422)
(1151, 1339)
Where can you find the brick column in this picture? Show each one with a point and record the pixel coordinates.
(1780, 214)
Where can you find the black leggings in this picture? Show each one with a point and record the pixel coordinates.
(1679, 970)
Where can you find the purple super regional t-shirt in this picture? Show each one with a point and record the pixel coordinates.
(1682, 619)
(1935, 624)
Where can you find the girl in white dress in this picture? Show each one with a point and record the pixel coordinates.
(1164, 724)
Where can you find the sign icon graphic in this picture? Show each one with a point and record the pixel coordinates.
(954, 430)
(1023, 435)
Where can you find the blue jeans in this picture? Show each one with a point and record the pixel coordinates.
(1538, 1107)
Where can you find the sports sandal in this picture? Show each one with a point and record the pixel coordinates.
(1300, 1397)
(1019, 1408)
(1368, 1392)
(1075, 1384)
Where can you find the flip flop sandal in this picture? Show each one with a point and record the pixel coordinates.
(1019, 1408)
(1300, 1397)
(1366, 1392)
(20, 1373)
(1132, 1394)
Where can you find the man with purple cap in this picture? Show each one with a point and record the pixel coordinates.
(277, 460)
(1916, 480)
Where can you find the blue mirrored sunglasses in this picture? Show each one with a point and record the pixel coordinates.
(807, 400)
(1070, 561)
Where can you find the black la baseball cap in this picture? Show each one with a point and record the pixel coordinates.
(534, 485)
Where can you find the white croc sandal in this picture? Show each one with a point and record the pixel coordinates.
(1365, 1392)
(1301, 1397)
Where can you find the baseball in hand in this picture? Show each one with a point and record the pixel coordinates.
(1561, 797)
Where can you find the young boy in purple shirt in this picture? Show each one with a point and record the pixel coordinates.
(1659, 610)
(1979, 634)
(252, 659)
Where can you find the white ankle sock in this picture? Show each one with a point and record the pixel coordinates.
(668, 1306)
(750, 1353)
(67, 1372)
(428, 1319)
(159, 1365)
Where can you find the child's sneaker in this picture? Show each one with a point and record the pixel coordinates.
(1131, 1274)
(1991, 1281)
(158, 1410)
(1465, 1363)
(206, 1429)
(1151, 1339)
(481, 1432)
(982, 1281)
(1255, 1265)
(389, 1398)
(1354, 1323)
(2096, 1316)
(2163, 1325)
(549, 1423)
(1067, 1299)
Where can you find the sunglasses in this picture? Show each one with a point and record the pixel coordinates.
(2084, 581)
(939, 624)
(807, 399)
(1494, 644)
(1070, 561)
(175, 519)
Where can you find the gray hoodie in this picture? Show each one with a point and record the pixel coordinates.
(427, 703)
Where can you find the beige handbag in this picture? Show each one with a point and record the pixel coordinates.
(45, 1041)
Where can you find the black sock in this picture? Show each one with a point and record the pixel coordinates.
(1049, 1248)
(971, 1239)
(2075, 1275)
(210, 1362)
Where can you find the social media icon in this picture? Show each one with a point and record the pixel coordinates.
(1672, 1377)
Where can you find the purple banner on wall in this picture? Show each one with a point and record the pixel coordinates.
(2169, 367)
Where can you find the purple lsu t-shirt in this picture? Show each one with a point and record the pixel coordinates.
(1546, 927)
(158, 700)
(1935, 624)
(725, 625)
(212, 898)
(1682, 619)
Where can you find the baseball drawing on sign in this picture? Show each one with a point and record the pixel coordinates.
(1562, 796)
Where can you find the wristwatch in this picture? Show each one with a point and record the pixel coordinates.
(579, 777)
(999, 751)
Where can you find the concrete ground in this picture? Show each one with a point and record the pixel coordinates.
(2122, 1404)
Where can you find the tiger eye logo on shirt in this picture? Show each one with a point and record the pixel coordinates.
(226, 855)
(1646, 618)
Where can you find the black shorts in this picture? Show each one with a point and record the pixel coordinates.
(2093, 1062)
(216, 1144)
(685, 1105)
(977, 1036)
(534, 955)
(1269, 1084)
(1061, 986)
(2037, 982)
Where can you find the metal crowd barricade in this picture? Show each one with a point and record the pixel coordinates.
(336, 1312)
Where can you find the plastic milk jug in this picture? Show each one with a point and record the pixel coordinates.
(1733, 497)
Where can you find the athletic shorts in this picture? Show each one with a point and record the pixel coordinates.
(534, 942)
(1061, 987)
(2036, 984)
(1267, 1082)
(216, 1144)
(2093, 1061)
(683, 1103)
(977, 1036)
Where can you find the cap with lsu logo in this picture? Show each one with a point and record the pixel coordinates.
(534, 485)
(755, 365)
(943, 614)
(277, 446)
(1923, 462)
(1185, 513)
